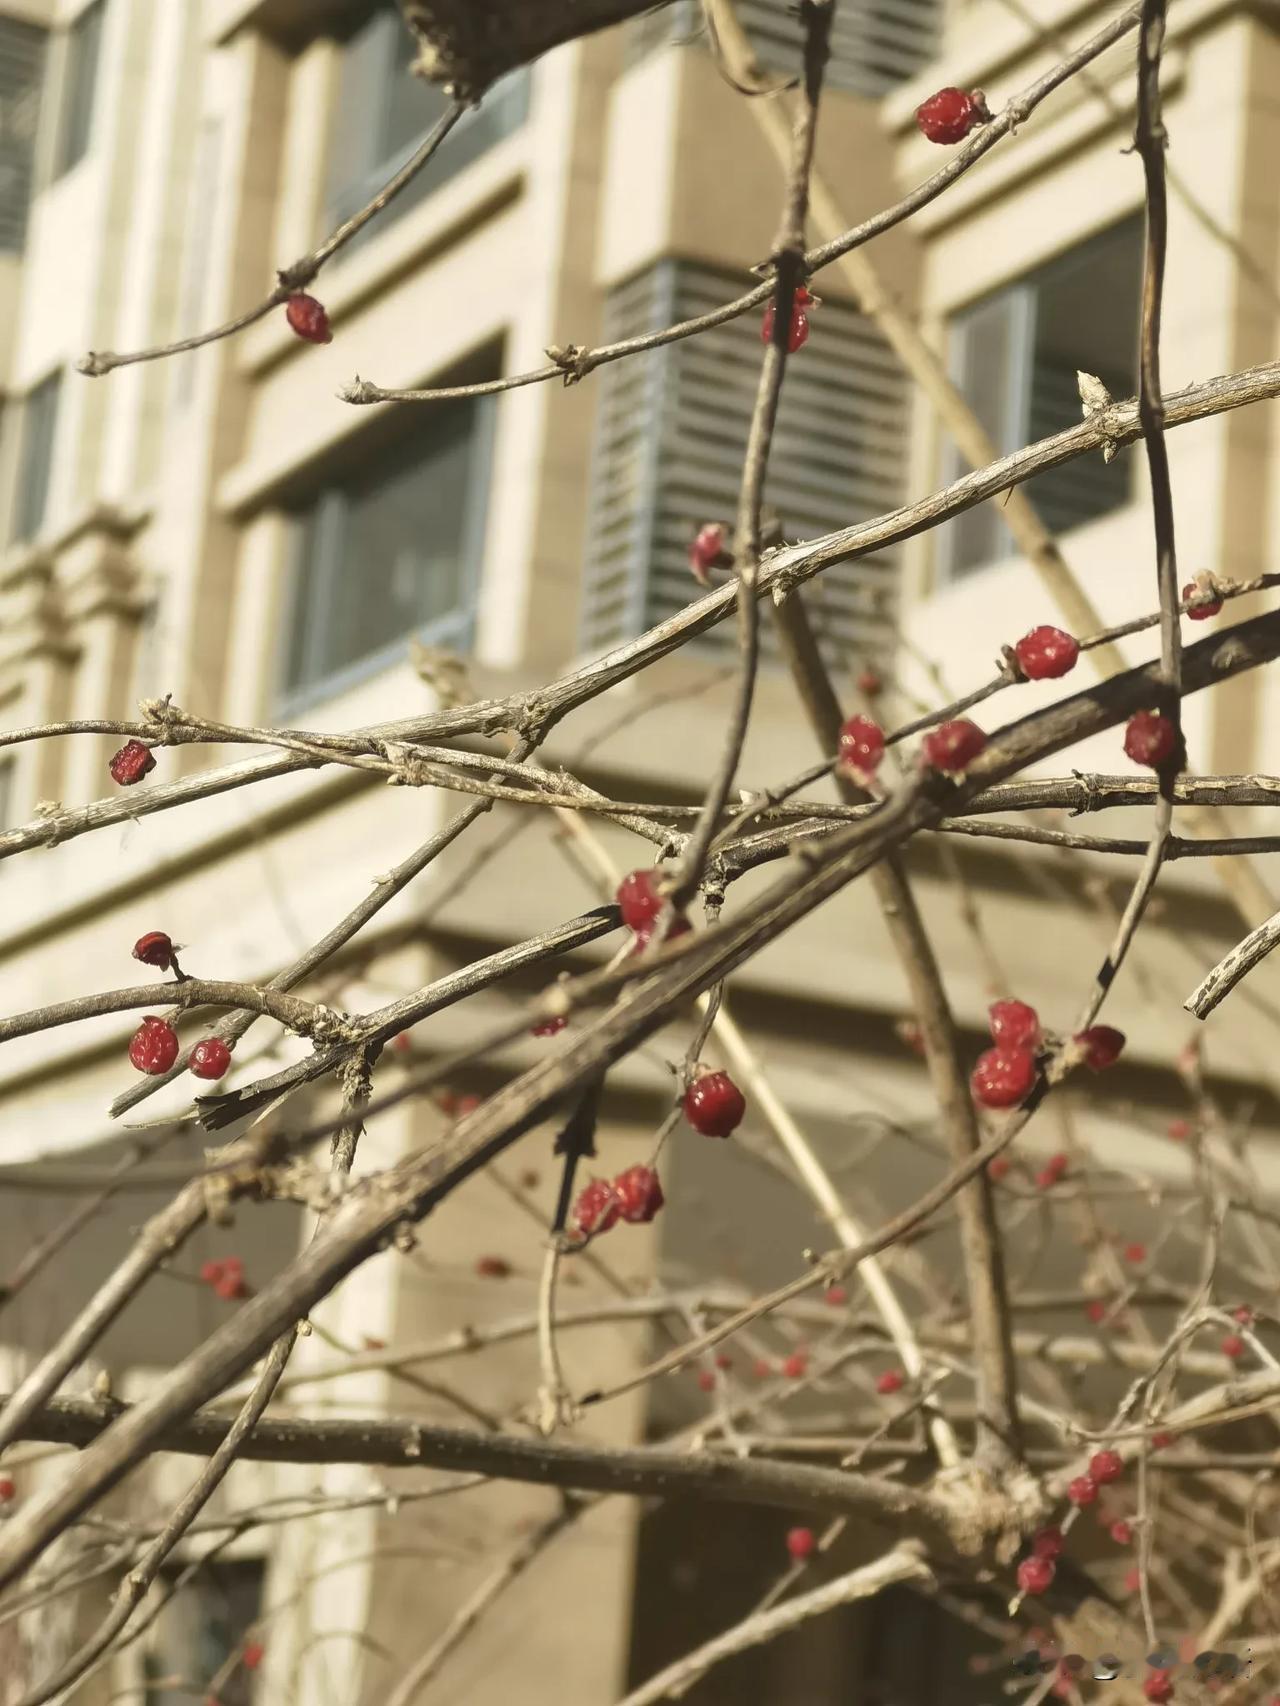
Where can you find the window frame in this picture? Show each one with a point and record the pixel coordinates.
(78, 92)
(454, 628)
(24, 525)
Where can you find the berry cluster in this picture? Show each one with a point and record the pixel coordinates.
(635, 1196)
(226, 1278)
(798, 331)
(1005, 1074)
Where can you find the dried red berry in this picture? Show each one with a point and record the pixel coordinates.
(890, 1381)
(1035, 1575)
(210, 1058)
(211, 1272)
(493, 1267)
(1233, 1346)
(308, 318)
(707, 551)
(466, 1105)
(8, 1489)
(131, 763)
(870, 683)
(1046, 653)
(796, 1366)
(230, 1285)
(597, 1208)
(638, 899)
(707, 1380)
(1209, 606)
(1083, 1490)
(1135, 1253)
(952, 746)
(1102, 1045)
(549, 1027)
(762, 1368)
(1095, 1309)
(798, 331)
(836, 1296)
(714, 1105)
(1133, 1581)
(998, 1167)
(1149, 738)
(1003, 1077)
(154, 949)
(1121, 1532)
(1052, 1172)
(1158, 1686)
(1243, 1314)
(861, 747)
(154, 1047)
(1179, 1130)
(951, 114)
(1048, 1542)
(1162, 1441)
(723, 1360)
(801, 1543)
(1014, 1024)
(253, 1655)
(1106, 1466)
(639, 1193)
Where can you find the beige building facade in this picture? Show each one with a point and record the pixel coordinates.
(223, 528)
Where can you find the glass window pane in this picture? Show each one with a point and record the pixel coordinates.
(198, 1629)
(39, 424)
(79, 85)
(21, 67)
(990, 367)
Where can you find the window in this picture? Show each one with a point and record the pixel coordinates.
(79, 87)
(39, 424)
(383, 114)
(21, 68)
(1015, 355)
(197, 1635)
(875, 44)
(670, 436)
(390, 547)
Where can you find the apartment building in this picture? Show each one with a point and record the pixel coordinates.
(221, 527)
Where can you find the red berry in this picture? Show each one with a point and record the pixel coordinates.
(8, 1489)
(1002, 1077)
(597, 1208)
(1014, 1024)
(1179, 1130)
(154, 1047)
(723, 1361)
(1200, 612)
(1149, 738)
(1035, 1575)
(800, 1543)
(762, 1368)
(1096, 1310)
(1046, 653)
(796, 1366)
(639, 1194)
(1133, 1581)
(549, 1027)
(953, 746)
(951, 114)
(1243, 1314)
(861, 747)
(131, 763)
(1054, 1169)
(252, 1655)
(1161, 1441)
(1048, 1543)
(212, 1272)
(869, 683)
(707, 1380)
(1106, 1466)
(308, 319)
(835, 1295)
(1233, 1346)
(997, 1167)
(798, 332)
(1135, 1253)
(1102, 1046)
(154, 949)
(1158, 1686)
(210, 1058)
(466, 1105)
(1083, 1490)
(493, 1267)
(714, 1105)
(638, 899)
(890, 1381)
(230, 1286)
(706, 551)
(1121, 1532)
(402, 1043)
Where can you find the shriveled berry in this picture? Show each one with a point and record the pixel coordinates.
(870, 683)
(798, 331)
(1096, 1309)
(723, 1361)
(1179, 1130)
(707, 551)
(133, 761)
(998, 1167)
(211, 1272)
(597, 1208)
(762, 1368)
(308, 319)
(1003, 1077)
(1149, 738)
(796, 1366)
(549, 1027)
(1233, 1346)
(1014, 1024)
(8, 1489)
(493, 1267)
(1205, 607)
(952, 746)
(154, 1047)
(890, 1381)
(1046, 653)
(639, 1193)
(1102, 1045)
(252, 1655)
(638, 899)
(1054, 1169)
(714, 1105)
(1243, 1314)
(836, 1296)
(1106, 1466)
(1135, 1253)
(951, 114)
(1083, 1490)
(1048, 1542)
(210, 1058)
(1158, 1687)
(861, 747)
(154, 949)
(1121, 1532)
(801, 1543)
(1035, 1575)
(230, 1286)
